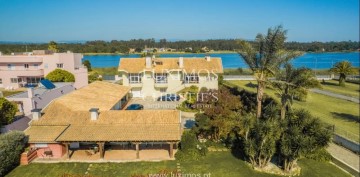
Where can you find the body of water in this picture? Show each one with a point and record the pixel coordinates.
(233, 60)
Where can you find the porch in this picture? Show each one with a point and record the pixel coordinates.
(121, 151)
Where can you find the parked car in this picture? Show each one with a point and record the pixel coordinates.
(135, 107)
(169, 97)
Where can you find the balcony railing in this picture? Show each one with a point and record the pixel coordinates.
(135, 84)
(24, 72)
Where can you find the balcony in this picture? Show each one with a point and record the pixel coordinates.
(135, 84)
(20, 59)
(22, 72)
(161, 84)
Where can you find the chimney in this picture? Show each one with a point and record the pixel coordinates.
(30, 92)
(207, 58)
(148, 62)
(36, 114)
(181, 62)
(94, 113)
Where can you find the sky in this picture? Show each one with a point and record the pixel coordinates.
(71, 20)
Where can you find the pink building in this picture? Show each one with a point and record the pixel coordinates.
(19, 70)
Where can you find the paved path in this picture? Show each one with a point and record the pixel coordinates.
(335, 95)
(344, 155)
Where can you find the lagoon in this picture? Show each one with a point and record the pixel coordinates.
(233, 60)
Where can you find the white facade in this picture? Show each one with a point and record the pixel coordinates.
(152, 83)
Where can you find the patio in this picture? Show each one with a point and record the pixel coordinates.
(117, 153)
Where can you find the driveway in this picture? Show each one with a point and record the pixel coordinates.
(150, 103)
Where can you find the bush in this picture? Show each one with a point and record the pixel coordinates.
(320, 155)
(12, 144)
(59, 75)
(190, 148)
(7, 111)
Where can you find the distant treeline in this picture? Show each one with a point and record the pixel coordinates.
(194, 46)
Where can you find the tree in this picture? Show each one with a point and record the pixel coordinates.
(261, 136)
(265, 58)
(87, 64)
(7, 111)
(138, 49)
(59, 75)
(220, 117)
(53, 46)
(303, 135)
(343, 68)
(12, 144)
(291, 82)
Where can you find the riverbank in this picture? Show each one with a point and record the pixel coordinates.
(159, 53)
(211, 52)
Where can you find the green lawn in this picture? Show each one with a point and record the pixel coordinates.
(222, 164)
(8, 93)
(341, 113)
(351, 89)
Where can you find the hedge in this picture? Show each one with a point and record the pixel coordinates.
(12, 144)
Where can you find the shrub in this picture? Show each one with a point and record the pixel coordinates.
(7, 111)
(12, 144)
(190, 148)
(59, 75)
(320, 155)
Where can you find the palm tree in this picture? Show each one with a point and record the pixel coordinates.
(303, 135)
(292, 82)
(265, 60)
(343, 68)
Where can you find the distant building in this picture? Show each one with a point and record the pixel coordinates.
(154, 76)
(19, 70)
(39, 97)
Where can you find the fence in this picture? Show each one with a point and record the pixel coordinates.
(251, 77)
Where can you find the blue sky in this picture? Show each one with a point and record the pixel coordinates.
(64, 20)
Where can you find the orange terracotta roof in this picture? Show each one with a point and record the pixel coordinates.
(136, 65)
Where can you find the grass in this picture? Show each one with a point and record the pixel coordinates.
(341, 113)
(8, 93)
(351, 89)
(105, 71)
(222, 164)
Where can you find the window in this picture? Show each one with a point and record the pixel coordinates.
(134, 78)
(36, 66)
(160, 77)
(33, 80)
(0, 81)
(191, 78)
(26, 66)
(14, 80)
(59, 65)
(41, 145)
(162, 90)
(11, 67)
(46, 65)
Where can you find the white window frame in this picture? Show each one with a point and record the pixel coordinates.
(59, 65)
(36, 66)
(26, 66)
(192, 78)
(11, 67)
(135, 78)
(161, 78)
(14, 80)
